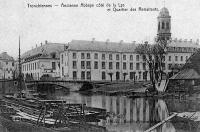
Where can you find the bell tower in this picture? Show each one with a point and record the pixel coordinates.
(164, 25)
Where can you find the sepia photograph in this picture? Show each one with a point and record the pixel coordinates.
(99, 66)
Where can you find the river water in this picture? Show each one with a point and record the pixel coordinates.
(139, 114)
(136, 115)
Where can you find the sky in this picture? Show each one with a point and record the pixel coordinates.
(61, 25)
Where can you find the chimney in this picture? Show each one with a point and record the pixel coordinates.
(185, 40)
(180, 40)
(133, 42)
(46, 41)
(107, 40)
(36, 45)
(190, 40)
(41, 44)
(146, 42)
(121, 41)
(175, 39)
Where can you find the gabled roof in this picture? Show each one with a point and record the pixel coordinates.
(5, 56)
(45, 50)
(82, 45)
(191, 70)
(179, 43)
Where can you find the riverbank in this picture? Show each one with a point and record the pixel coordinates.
(121, 88)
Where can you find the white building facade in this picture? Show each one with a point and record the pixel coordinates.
(95, 60)
(6, 66)
(42, 60)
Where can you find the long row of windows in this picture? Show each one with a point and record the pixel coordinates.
(176, 58)
(103, 56)
(30, 66)
(87, 65)
(132, 75)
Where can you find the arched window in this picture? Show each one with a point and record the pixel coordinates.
(159, 26)
(163, 25)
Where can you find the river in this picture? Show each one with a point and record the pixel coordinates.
(135, 115)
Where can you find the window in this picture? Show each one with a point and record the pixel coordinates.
(124, 65)
(131, 57)
(82, 56)
(12, 63)
(74, 55)
(6, 63)
(88, 65)
(186, 57)
(159, 26)
(169, 66)
(74, 65)
(74, 75)
(83, 75)
(103, 75)
(131, 66)
(117, 65)
(110, 56)
(163, 25)
(144, 66)
(176, 58)
(96, 56)
(169, 58)
(62, 71)
(124, 57)
(103, 57)
(96, 65)
(88, 75)
(181, 58)
(137, 66)
(88, 55)
(103, 65)
(137, 57)
(82, 64)
(53, 65)
(117, 57)
(110, 65)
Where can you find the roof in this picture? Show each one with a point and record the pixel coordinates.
(164, 12)
(186, 74)
(191, 70)
(83, 45)
(45, 50)
(180, 43)
(5, 56)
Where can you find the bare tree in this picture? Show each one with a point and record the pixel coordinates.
(153, 55)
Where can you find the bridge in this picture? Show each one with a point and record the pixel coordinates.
(72, 85)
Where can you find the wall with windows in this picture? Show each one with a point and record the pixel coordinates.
(94, 65)
(37, 68)
(6, 69)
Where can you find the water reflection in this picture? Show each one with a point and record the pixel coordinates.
(131, 115)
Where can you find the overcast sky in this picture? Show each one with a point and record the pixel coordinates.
(35, 25)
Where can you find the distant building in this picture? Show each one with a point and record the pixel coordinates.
(97, 60)
(178, 51)
(41, 60)
(6, 66)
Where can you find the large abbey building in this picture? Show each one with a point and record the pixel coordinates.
(98, 60)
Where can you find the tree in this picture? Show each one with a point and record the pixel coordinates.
(153, 56)
(110, 74)
(124, 74)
